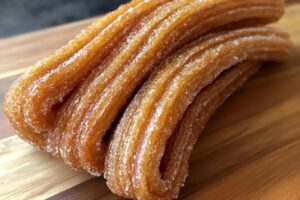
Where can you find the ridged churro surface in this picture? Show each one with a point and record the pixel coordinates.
(129, 95)
(158, 122)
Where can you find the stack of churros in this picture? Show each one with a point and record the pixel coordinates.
(129, 96)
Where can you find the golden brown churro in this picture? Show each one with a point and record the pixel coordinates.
(67, 103)
(134, 157)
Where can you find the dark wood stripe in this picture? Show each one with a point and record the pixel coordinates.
(91, 189)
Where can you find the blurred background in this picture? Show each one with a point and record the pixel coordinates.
(20, 16)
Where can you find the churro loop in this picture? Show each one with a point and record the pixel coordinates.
(157, 122)
(178, 60)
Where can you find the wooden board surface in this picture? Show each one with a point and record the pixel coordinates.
(249, 150)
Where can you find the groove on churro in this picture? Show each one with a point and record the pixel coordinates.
(134, 157)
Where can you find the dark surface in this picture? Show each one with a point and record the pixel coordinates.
(19, 16)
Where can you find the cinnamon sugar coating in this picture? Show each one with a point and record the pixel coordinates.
(129, 95)
(149, 151)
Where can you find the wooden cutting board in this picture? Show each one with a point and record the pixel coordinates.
(249, 150)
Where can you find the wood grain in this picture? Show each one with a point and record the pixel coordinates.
(249, 150)
(49, 177)
(19, 52)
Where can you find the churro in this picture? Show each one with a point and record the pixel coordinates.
(133, 165)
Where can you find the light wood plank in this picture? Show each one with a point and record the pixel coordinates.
(26, 173)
